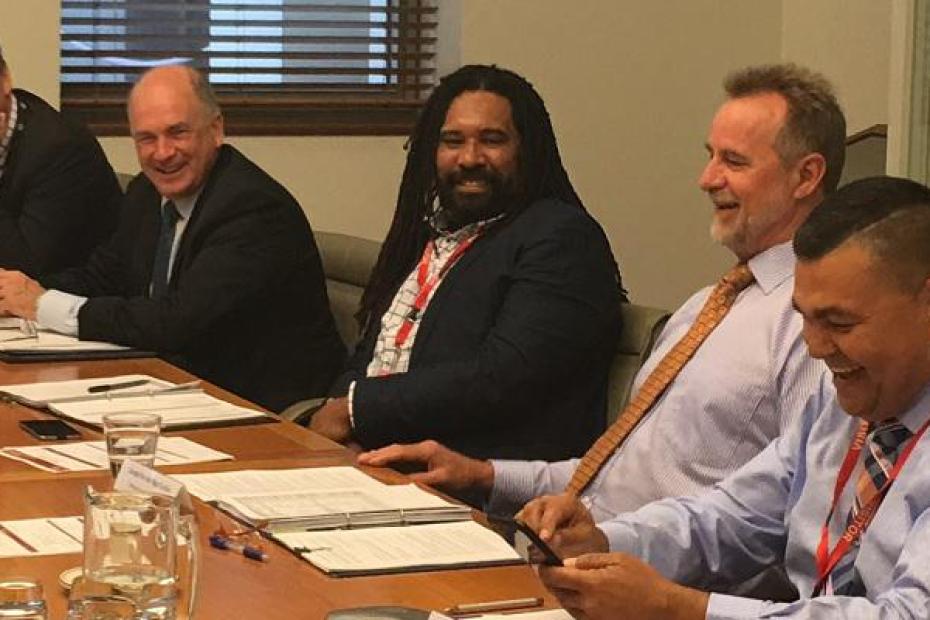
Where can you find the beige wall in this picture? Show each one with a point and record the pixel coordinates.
(849, 41)
(630, 86)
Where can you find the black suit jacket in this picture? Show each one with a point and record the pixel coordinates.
(511, 357)
(58, 194)
(246, 306)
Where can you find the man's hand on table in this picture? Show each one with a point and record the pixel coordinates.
(606, 586)
(332, 420)
(19, 294)
(564, 523)
(445, 468)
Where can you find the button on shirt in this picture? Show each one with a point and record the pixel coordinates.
(58, 310)
(776, 505)
(745, 384)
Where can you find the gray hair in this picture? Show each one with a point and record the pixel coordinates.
(815, 121)
(200, 86)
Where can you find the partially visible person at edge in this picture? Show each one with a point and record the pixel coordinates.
(493, 311)
(213, 264)
(58, 194)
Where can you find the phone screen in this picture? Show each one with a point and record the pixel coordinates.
(49, 429)
(530, 546)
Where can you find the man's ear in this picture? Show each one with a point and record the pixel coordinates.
(810, 171)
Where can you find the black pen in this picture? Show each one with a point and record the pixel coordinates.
(109, 387)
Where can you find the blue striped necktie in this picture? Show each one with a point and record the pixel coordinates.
(884, 445)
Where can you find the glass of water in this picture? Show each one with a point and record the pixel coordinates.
(132, 437)
(22, 598)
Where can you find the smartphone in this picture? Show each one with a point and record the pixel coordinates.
(530, 546)
(49, 430)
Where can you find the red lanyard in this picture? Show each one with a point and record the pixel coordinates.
(427, 285)
(826, 562)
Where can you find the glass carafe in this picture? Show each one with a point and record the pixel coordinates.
(131, 547)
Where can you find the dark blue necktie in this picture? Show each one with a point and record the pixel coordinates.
(169, 218)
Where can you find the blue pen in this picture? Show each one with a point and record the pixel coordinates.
(253, 553)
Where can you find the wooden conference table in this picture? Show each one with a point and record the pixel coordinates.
(231, 585)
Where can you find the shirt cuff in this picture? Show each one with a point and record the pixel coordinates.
(349, 398)
(58, 311)
(726, 607)
(512, 488)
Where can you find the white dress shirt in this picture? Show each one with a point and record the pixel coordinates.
(746, 384)
(58, 311)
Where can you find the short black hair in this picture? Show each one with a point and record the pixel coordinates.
(887, 215)
(2, 62)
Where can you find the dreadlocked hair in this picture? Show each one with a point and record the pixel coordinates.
(540, 164)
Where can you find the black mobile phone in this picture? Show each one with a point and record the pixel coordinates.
(530, 546)
(49, 430)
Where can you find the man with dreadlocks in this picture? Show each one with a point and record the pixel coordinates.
(493, 311)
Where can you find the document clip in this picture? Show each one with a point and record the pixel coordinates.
(378, 613)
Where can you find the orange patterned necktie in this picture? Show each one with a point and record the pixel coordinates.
(715, 308)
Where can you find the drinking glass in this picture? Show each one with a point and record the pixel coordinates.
(22, 598)
(131, 436)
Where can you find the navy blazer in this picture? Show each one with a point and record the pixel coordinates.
(246, 306)
(512, 354)
(58, 194)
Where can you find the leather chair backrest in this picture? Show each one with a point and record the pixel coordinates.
(347, 265)
(641, 326)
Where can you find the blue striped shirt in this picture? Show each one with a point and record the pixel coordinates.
(746, 384)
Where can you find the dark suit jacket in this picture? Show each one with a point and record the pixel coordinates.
(246, 306)
(58, 194)
(512, 354)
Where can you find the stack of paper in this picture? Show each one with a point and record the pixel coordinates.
(92, 455)
(87, 400)
(21, 337)
(296, 504)
(319, 498)
(396, 549)
(31, 537)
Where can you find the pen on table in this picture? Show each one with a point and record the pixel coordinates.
(253, 553)
(480, 608)
(108, 387)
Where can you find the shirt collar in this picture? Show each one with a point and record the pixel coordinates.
(185, 206)
(918, 412)
(773, 266)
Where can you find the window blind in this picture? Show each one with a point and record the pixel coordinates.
(278, 66)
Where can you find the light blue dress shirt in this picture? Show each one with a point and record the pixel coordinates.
(58, 311)
(744, 386)
(772, 511)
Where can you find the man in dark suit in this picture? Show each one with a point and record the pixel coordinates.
(493, 311)
(213, 264)
(58, 193)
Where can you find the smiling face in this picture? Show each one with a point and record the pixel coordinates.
(176, 139)
(752, 190)
(873, 335)
(477, 159)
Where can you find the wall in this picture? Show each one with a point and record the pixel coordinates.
(849, 41)
(631, 87)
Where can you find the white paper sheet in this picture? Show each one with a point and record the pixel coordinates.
(31, 537)
(92, 455)
(390, 548)
(209, 487)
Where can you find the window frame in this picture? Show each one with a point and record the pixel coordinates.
(262, 112)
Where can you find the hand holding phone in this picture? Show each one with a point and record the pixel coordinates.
(49, 430)
(532, 548)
